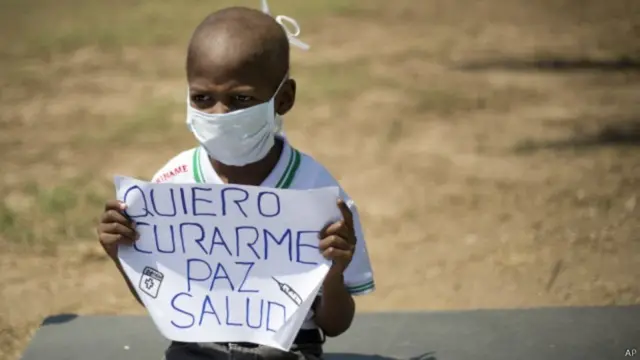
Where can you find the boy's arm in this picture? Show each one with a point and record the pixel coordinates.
(118, 264)
(335, 309)
(175, 167)
(114, 229)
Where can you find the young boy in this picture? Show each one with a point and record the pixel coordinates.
(237, 71)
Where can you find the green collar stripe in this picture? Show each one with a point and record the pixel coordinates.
(294, 170)
(286, 170)
(197, 176)
(362, 287)
(284, 182)
(202, 177)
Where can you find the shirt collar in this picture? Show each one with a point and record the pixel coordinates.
(280, 177)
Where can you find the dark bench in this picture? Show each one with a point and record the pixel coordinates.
(599, 333)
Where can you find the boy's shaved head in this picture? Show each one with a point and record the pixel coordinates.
(239, 40)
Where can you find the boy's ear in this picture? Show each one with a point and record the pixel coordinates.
(286, 98)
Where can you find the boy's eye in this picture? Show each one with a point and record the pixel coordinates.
(243, 98)
(201, 98)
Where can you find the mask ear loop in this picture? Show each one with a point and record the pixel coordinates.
(277, 124)
(265, 7)
(188, 122)
(293, 40)
(291, 35)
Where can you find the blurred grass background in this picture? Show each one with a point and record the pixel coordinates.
(492, 145)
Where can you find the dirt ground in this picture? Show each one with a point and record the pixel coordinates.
(493, 146)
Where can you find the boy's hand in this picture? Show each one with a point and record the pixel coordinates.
(115, 228)
(338, 240)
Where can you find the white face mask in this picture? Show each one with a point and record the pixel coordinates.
(239, 137)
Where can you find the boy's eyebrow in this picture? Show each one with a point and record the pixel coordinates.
(234, 90)
(242, 88)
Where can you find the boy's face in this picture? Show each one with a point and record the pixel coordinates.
(218, 85)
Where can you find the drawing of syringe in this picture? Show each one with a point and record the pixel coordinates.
(292, 294)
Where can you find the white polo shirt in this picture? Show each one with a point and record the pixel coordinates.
(294, 170)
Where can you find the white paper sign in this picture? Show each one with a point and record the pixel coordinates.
(226, 263)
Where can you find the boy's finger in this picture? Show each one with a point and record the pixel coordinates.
(111, 216)
(323, 232)
(346, 213)
(334, 242)
(336, 254)
(115, 205)
(113, 239)
(336, 228)
(118, 229)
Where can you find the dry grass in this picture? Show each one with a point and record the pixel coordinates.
(493, 146)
